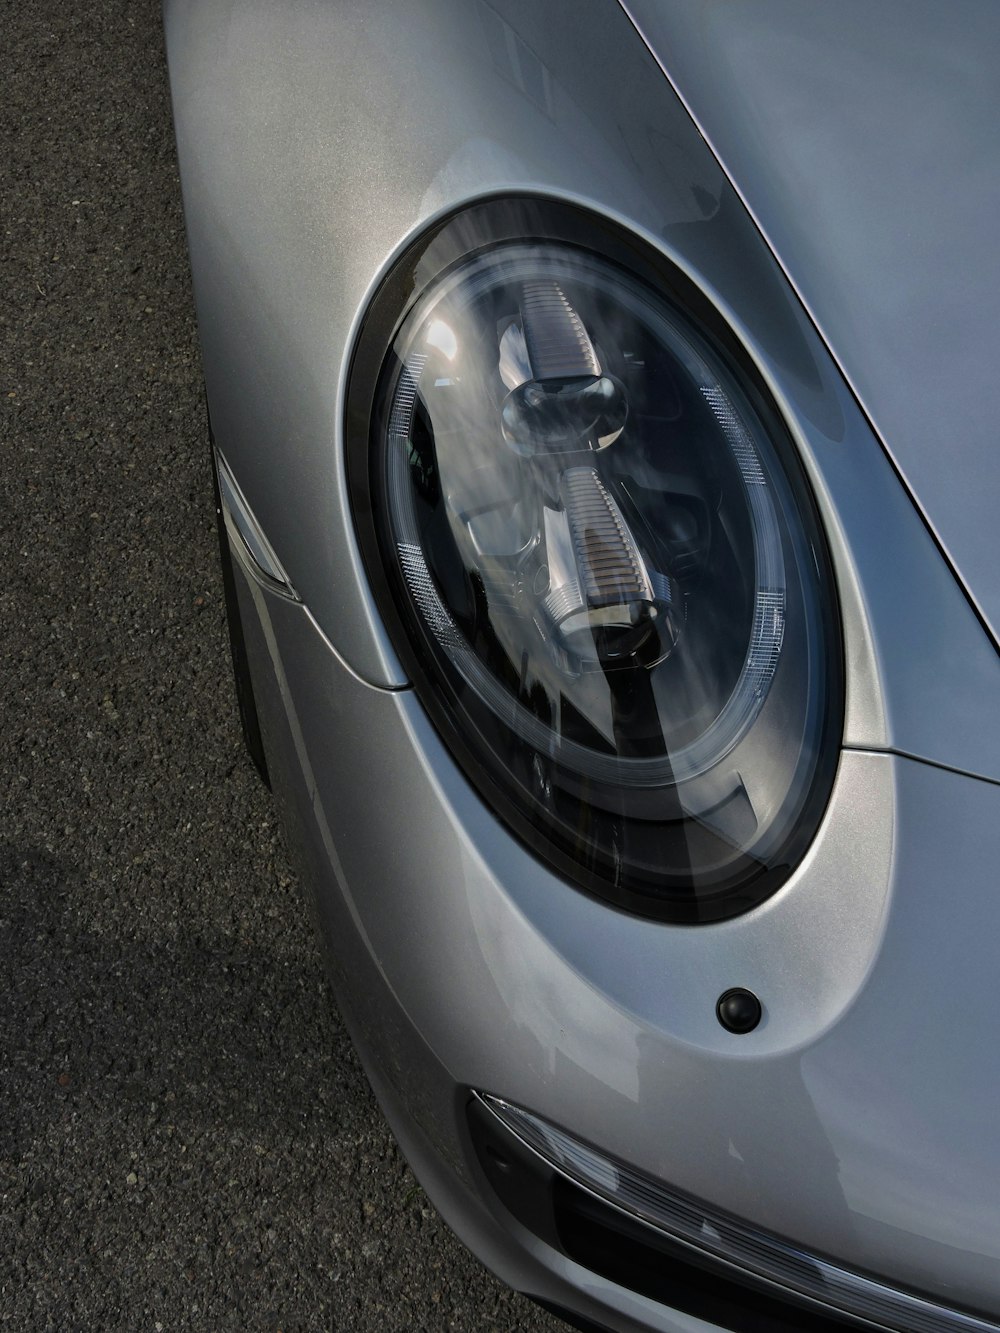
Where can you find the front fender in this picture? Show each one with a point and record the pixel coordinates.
(317, 138)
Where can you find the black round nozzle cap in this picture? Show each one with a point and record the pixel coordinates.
(739, 1010)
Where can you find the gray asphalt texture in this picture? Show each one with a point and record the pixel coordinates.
(187, 1140)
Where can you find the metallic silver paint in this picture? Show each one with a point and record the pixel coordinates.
(724, 1243)
(836, 1122)
(421, 1099)
(515, 1255)
(862, 137)
(293, 216)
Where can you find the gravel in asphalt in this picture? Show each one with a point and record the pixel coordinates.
(187, 1140)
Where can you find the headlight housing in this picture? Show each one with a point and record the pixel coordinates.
(599, 559)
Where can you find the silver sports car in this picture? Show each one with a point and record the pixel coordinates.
(605, 404)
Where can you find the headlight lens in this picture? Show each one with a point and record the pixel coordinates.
(612, 592)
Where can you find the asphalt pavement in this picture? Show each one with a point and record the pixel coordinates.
(187, 1140)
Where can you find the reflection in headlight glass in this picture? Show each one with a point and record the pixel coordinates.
(606, 569)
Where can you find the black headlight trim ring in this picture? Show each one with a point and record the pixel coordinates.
(452, 241)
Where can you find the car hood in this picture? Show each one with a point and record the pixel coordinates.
(863, 139)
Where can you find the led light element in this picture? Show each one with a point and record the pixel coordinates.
(608, 585)
(731, 1244)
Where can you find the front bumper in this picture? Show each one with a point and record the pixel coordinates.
(855, 1120)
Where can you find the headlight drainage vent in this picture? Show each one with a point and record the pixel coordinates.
(739, 1010)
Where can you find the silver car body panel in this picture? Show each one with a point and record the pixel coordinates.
(316, 139)
(463, 962)
(863, 138)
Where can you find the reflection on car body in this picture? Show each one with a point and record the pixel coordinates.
(607, 503)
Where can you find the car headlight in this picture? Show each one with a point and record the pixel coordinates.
(603, 567)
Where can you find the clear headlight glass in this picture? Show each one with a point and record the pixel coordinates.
(612, 590)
